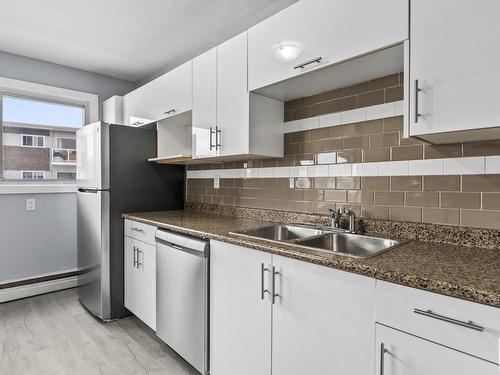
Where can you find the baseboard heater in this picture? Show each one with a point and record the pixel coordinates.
(18, 289)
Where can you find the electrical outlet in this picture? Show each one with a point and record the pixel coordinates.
(216, 182)
(30, 204)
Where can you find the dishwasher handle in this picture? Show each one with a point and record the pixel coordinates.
(182, 243)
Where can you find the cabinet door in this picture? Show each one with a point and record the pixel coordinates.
(147, 283)
(232, 96)
(240, 321)
(174, 92)
(454, 55)
(138, 105)
(204, 104)
(130, 276)
(409, 355)
(322, 320)
(335, 30)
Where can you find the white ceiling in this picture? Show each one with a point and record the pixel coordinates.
(128, 39)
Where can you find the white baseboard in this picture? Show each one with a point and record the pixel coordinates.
(10, 294)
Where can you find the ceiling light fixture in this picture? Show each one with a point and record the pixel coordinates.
(287, 52)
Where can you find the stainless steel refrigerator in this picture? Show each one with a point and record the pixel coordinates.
(114, 176)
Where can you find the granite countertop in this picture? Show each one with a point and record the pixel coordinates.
(464, 272)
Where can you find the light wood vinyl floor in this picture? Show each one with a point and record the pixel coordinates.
(53, 334)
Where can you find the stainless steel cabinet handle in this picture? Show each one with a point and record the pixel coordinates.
(135, 253)
(417, 90)
(262, 290)
(217, 137)
(383, 350)
(139, 264)
(308, 62)
(169, 112)
(138, 229)
(211, 143)
(273, 289)
(431, 314)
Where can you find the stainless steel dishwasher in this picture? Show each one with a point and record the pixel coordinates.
(182, 276)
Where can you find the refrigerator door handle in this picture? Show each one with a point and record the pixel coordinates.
(91, 190)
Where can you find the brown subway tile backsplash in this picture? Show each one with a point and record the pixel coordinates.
(443, 151)
(460, 200)
(441, 216)
(406, 183)
(348, 182)
(371, 98)
(485, 183)
(357, 89)
(384, 82)
(394, 94)
(377, 154)
(412, 152)
(422, 199)
(442, 183)
(482, 148)
(413, 214)
(384, 139)
(481, 219)
(375, 183)
(468, 200)
(491, 201)
(393, 198)
(375, 212)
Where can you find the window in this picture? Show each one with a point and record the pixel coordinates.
(39, 138)
(66, 175)
(33, 175)
(32, 140)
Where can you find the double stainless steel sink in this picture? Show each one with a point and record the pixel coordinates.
(327, 239)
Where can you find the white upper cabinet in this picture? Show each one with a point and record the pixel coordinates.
(163, 97)
(228, 121)
(454, 74)
(173, 92)
(138, 105)
(112, 110)
(232, 96)
(321, 32)
(205, 104)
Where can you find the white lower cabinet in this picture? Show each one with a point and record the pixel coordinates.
(322, 319)
(240, 320)
(140, 280)
(400, 353)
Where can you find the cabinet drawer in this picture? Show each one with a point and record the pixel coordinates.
(466, 326)
(140, 231)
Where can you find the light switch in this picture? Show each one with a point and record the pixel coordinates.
(216, 182)
(30, 205)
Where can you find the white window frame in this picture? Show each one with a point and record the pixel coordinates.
(32, 136)
(33, 175)
(14, 87)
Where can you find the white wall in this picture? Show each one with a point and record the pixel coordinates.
(37, 242)
(44, 241)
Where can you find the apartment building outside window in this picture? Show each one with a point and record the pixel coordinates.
(39, 138)
(32, 140)
(33, 175)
